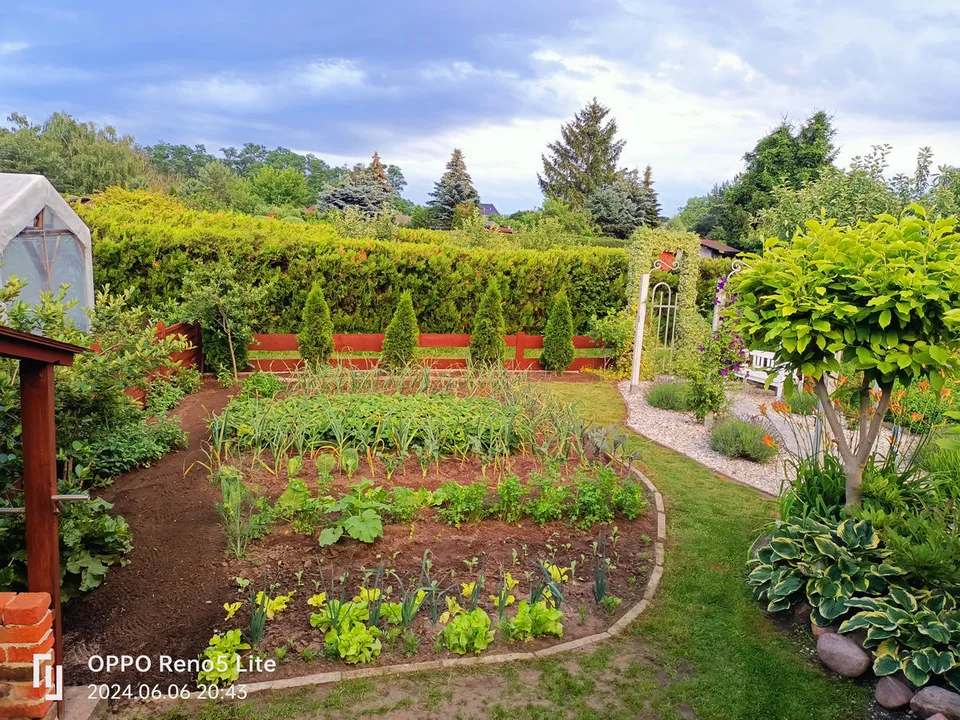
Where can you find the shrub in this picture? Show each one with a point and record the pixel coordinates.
(615, 333)
(803, 403)
(558, 350)
(402, 336)
(817, 490)
(737, 438)
(487, 346)
(147, 242)
(316, 333)
(671, 395)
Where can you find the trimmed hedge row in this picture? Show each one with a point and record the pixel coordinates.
(147, 242)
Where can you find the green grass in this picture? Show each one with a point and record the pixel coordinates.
(703, 649)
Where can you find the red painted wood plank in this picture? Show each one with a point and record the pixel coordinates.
(38, 442)
(438, 340)
(582, 342)
(274, 343)
(359, 343)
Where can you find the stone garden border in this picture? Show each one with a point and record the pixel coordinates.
(653, 583)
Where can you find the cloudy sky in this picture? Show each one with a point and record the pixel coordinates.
(692, 83)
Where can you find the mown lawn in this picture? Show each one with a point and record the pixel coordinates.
(703, 650)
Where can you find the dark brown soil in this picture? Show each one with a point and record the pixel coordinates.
(169, 599)
(169, 596)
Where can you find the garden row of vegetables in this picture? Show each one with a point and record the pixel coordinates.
(297, 430)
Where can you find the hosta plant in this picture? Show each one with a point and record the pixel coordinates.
(918, 634)
(830, 566)
(468, 632)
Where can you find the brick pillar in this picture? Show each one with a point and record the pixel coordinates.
(26, 629)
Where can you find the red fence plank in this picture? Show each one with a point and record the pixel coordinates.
(444, 341)
(374, 343)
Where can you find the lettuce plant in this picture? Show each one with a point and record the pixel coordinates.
(468, 632)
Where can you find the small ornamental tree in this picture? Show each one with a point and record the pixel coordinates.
(402, 335)
(487, 346)
(878, 295)
(558, 348)
(316, 333)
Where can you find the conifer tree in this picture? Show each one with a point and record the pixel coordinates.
(654, 211)
(316, 333)
(402, 336)
(558, 350)
(378, 174)
(454, 188)
(487, 346)
(584, 159)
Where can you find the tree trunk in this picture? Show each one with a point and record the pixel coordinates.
(854, 476)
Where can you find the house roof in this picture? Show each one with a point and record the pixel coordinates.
(488, 209)
(718, 247)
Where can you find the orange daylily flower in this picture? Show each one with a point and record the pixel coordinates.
(768, 441)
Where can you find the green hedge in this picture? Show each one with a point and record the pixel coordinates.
(147, 242)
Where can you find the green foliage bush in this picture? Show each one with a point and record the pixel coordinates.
(487, 346)
(148, 242)
(558, 350)
(670, 395)
(316, 333)
(101, 431)
(402, 336)
(738, 438)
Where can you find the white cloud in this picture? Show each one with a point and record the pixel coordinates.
(259, 91)
(10, 47)
(325, 75)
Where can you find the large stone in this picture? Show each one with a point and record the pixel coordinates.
(931, 700)
(843, 655)
(892, 694)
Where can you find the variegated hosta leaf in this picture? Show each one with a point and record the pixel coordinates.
(903, 598)
(885, 665)
(785, 549)
(936, 631)
(862, 620)
(832, 608)
(913, 673)
(778, 605)
(888, 647)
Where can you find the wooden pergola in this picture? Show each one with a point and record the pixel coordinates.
(38, 356)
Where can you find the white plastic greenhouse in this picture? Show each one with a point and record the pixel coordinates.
(44, 243)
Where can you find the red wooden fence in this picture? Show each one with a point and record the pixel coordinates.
(374, 343)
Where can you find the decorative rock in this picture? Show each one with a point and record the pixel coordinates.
(843, 655)
(931, 700)
(818, 631)
(892, 694)
(938, 716)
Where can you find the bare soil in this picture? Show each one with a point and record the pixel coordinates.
(169, 599)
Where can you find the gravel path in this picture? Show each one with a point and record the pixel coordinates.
(680, 432)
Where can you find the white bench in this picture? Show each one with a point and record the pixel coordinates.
(760, 367)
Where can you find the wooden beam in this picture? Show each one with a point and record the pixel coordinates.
(40, 485)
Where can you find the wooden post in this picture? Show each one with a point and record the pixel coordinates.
(638, 332)
(518, 355)
(40, 485)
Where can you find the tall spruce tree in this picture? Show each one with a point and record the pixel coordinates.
(654, 211)
(454, 188)
(584, 159)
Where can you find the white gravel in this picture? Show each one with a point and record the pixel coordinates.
(681, 432)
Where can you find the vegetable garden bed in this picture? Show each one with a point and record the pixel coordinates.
(391, 519)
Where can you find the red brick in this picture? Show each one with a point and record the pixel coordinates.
(26, 609)
(6, 597)
(23, 634)
(26, 691)
(25, 653)
(25, 710)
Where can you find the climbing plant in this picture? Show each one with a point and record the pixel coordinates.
(692, 328)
